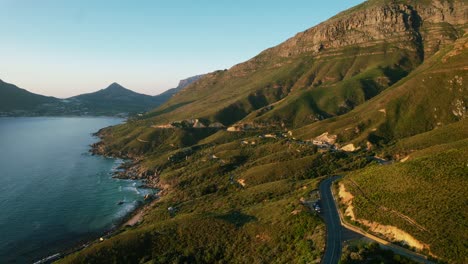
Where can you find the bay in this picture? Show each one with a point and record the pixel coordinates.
(53, 192)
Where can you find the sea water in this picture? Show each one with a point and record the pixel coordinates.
(53, 193)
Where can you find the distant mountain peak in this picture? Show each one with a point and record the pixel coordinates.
(115, 85)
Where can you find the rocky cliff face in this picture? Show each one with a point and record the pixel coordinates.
(186, 82)
(425, 26)
(421, 27)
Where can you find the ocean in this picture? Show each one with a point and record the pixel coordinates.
(53, 193)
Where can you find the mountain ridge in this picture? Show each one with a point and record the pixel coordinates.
(12, 96)
(396, 43)
(112, 100)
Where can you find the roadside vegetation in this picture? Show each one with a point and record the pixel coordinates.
(370, 253)
(436, 186)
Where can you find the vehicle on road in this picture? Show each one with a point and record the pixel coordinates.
(316, 206)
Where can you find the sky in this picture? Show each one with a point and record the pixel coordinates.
(64, 48)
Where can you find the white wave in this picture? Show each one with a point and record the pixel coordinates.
(133, 189)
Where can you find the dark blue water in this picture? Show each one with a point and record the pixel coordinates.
(53, 193)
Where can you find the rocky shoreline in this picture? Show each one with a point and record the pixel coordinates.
(131, 169)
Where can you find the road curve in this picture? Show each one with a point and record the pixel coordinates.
(335, 230)
(332, 220)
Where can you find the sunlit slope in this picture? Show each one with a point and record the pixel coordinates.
(424, 196)
(326, 70)
(432, 96)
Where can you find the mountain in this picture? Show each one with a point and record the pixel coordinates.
(13, 98)
(327, 70)
(113, 100)
(116, 99)
(376, 94)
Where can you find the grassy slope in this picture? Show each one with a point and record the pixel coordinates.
(217, 220)
(229, 96)
(430, 189)
(422, 101)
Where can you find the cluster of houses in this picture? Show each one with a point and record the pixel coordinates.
(191, 123)
(248, 126)
(324, 141)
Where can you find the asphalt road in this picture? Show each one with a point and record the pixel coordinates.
(337, 234)
(332, 221)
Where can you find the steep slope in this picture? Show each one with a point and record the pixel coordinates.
(434, 95)
(327, 70)
(423, 196)
(13, 98)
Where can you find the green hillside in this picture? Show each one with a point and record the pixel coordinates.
(429, 188)
(432, 96)
(388, 77)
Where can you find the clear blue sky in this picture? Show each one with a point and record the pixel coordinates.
(63, 48)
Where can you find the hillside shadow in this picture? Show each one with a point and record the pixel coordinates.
(237, 218)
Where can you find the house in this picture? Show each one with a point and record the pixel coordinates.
(198, 124)
(234, 129)
(216, 125)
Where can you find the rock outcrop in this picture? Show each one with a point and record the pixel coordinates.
(396, 23)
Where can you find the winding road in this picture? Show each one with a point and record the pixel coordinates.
(332, 220)
(337, 233)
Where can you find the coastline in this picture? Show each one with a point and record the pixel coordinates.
(96, 238)
(129, 170)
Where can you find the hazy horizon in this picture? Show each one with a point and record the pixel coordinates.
(63, 49)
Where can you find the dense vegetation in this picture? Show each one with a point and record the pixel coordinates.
(236, 196)
(365, 253)
(213, 218)
(435, 184)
